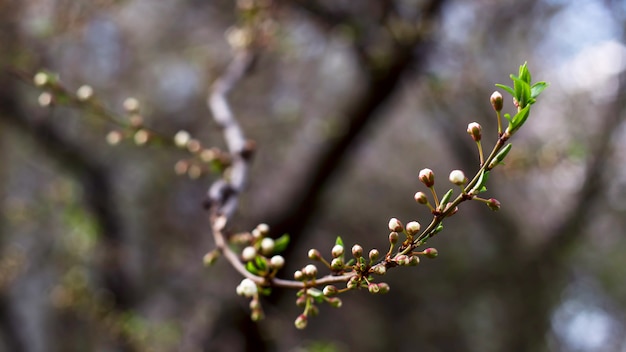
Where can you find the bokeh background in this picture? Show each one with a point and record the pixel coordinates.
(101, 246)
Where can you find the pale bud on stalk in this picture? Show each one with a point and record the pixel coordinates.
(431, 252)
(181, 138)
(475, 130)
(248, 253)
(301, 322)
(335, 302)
(329, 290)
(421, 198)
(41, 79)
(393, 237)
(264, 229)
(131, 105)
(427, 176)
(314, 254)
(336, 264)
(379, 269)
(310, 271)
(247, 288)
(267, 245)
(414, 260)
(298, 275)
(413, 228)
(337, 250)
(45, 99)
(457, 177)
(496, 101)
(357, 251)
(395, 225)
(373, 255)
(493, 204)
(277, 262)
(383, 287)
(84, 93)
(373, 288)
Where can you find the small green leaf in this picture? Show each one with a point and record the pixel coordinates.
(524, 73)
(480, 184)
(339, 241)
(265, 291)
(315, 293)
(437, 229)
(519, 118)
(537, 88)
(251, 268)
(281, 243)
(260, 263)
(507, 88)
(500, 156)
(445, 199)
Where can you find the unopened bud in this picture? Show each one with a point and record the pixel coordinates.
(314, 254)
(277, 262)
(298, 275)
(373, 288)
(300, 322)
(496, 101)
(383, 287)
(493, 204)
(474, 130)
(267, 245)
(131, 105)
(457, 177)
(413, 228)
(393, 237)
(427, 176)
(414, 260)
(329, 290)
(41, 79)
(336, 264)
(45, 99)
(402, 259)
(84, 93)
(337, 251)
(395, 225)
(247, 288)
(248, 253)
(357, 251)
(263, 229)
(211, 257)
(373, 255)
(352, 283)
(181, 138)
(379, 269)
(431, 252)
(310, 271)
(335, 302)
(421, 198)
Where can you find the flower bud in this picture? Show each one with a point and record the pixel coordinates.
(413, 228)
(352, 283)
(383, 287)
(431, 252)
(373, 255)
(335, 302)
(263, 229)
(267, 245)
(414, 260)
(41, 79)
(181, 138)
(247, 288)
(329, 290)
(256, 315)
(395, 225)
(357, 251)
(336, 264)
(45, 99)
(427, 176)
(393, 237)
(248, 253)
(255, 304)
(300, 322)
(298, 275)
(314, 254)
(379, 269)
(496, 101)
(337, 251)
(84, 93)
(421, 198)
(474, 130)
(493, 204)
(277, 262)
(131, 105)
(373, 288)
(402, 259)
(301, 300)
(310, 271)
(457, 177)
(211, 257)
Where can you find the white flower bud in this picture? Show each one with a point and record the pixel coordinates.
(248, 253)
(247, 288)
(457, 177)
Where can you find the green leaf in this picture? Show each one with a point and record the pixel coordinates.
(500, 156)
(445, 199)
(251, 268)
(281, 243)
(339, 241)
(316, 294)
(524, 73)
(265, 291)
(507, 116)
(507, 88)
(480, 184)
(260, 263)
(519, 118)
(437, 229)
(522, 91)
(537, 88)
